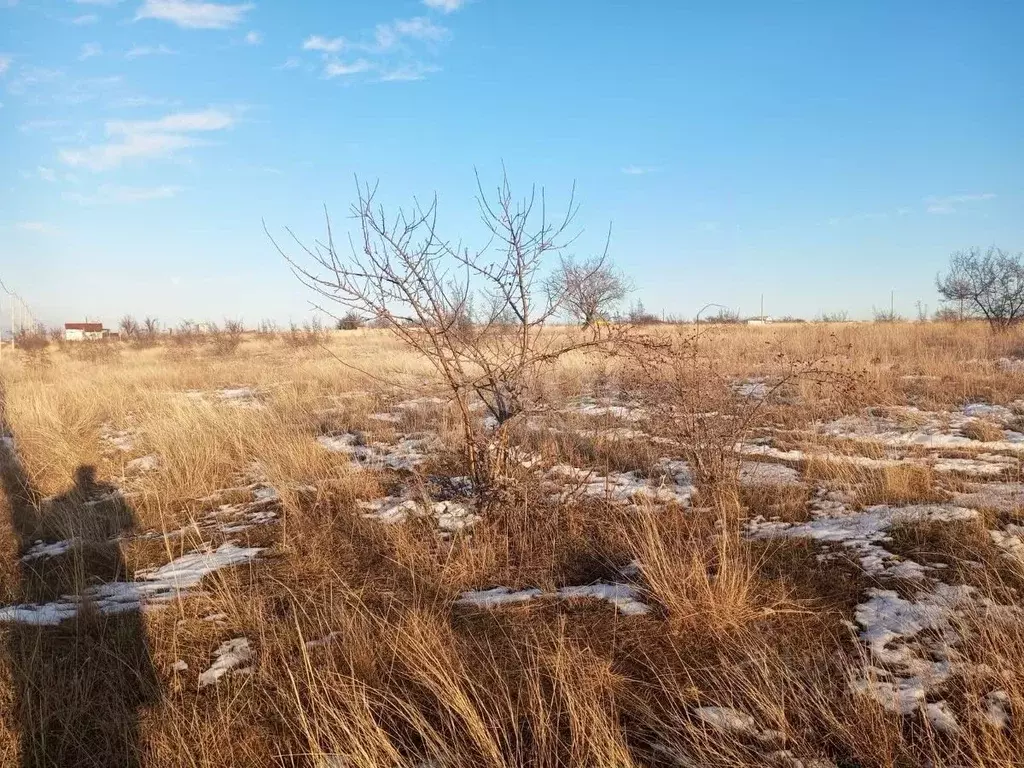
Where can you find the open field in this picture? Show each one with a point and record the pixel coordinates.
(804, 548)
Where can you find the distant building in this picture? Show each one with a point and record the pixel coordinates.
(759, 321)
(84, 331)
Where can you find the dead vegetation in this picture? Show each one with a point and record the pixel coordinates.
(634, 627)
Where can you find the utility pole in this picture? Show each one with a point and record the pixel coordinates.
(762, 307)
(892, 305)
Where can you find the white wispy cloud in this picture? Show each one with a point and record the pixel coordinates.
(147, 139)
(89, 50)
(445, 6)
(193, 14)
(149, 50)
(98, 2)
(419, 28)
(396, 39)
(108, 194)
(320, 43)
(253, 38)
(952, 203)
(338, 68)
(5, 62)
(639, 170)
(46, 174)
(290, 63)
(142, 101)
(85, 18)
(29, 78)
(41, 227)
(408, 73)
(856, 217)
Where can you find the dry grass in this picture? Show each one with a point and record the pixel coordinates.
(406, 676)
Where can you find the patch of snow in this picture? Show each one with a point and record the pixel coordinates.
(48, 549)
(407, 454)
(982, 465)
(327, 639)
(1010, 365)
(118, 439)
(345, 443)
(909, 426)
(618, 487)
(753, 473)
(451, 516)
(753, 389)
(941, 717)
(229, 655)
(148, 463)
(913, 647)
(588, 407)
(996, 709)
(726, 719)
(622, 596)
(1011, 541)
(151, 586)
(1004, 497)
(863, 532)
(179, 666)
(998, 413)
(420, 403)
(492, 598)
(236, 393)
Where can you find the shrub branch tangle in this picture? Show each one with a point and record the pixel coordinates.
(989, 285)
(480, 317)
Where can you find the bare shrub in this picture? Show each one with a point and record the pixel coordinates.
(224, 341)
(479, 317)
(841, 316)
(989, 285)
(350, 321)
(590, 290)
(267, 329)
(886, 315)
(130, 328)
(312, 333)
(638, 315)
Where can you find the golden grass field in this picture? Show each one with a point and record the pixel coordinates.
(851, 598)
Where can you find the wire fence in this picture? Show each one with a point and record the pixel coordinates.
(16, 316)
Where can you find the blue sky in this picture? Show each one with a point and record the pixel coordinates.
(823, 154)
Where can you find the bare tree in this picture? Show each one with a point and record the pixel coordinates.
(479, 316)
(151, 326)
(129, 327)
(988, 285)
(591, 289)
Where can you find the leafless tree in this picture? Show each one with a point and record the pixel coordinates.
(352, 321)
(591, 289)
(129, 327)
(151, 326)
(479, 316)
(988, 285)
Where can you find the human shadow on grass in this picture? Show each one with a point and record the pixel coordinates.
(81, 672)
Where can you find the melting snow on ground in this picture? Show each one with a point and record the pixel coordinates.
(863, 532)
(451, 516)
(151, 586)
(617, 487)
(622, 596)
(227, 658)
(407, 454)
